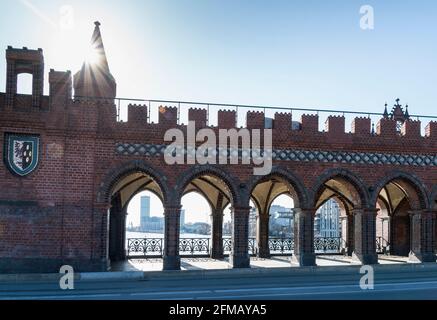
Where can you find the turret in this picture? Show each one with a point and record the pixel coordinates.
(95, 78)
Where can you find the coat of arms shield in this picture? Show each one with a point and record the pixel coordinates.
(21, 153)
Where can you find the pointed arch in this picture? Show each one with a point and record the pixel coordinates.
(298, 193)
(117, 174)
(354, 184)
(411, 185)
(231, 183)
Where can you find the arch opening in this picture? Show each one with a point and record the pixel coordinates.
(136, 221)
(24, 83)
(397, 198)
(335, 200)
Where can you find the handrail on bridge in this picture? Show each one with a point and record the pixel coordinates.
(237, 106)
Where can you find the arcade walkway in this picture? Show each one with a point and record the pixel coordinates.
(155, 264)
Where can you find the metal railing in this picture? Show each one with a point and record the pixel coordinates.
(144, 247)
(281, 245)
(382, 245)
(153, 247)
(329, 244)
(251, 246)
(194, 246)
(150, 103)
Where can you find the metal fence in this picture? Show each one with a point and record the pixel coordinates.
(153, 247)
(382, 245)
(153, 109)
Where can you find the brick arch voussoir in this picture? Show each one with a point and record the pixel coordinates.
(289, 177)
(357, 183)
(232, 182)
(420, 199)
(115, 175)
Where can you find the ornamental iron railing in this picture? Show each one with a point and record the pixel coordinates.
(328, 244)
(194, 246)
(382, 245)
(144, 246)
(281, 245)
(148, 247)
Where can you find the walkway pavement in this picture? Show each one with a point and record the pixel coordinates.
(155, 264)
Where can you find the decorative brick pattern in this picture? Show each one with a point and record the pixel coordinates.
(368, 158)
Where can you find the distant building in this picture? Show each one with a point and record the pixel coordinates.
(144, 212)
(281, 221)
(327, 220)
(252, 222)
(182, 217)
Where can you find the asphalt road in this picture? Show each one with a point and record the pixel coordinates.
(331, 286)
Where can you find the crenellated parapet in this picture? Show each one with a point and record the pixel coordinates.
(199, 116)
(310, 123)
(411, 129)
(361, 126)
(168, 116)
(335, 125)
(137, 114)
(386, 128)
(283, 121)
(255, 120)
(227, 119)
(431, 130)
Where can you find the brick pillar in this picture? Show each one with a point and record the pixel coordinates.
(262, 235)
(172, 260)
(365, 236)
(116, 236)
(304, 237)
(239, 257)
(422, 236)
(217, 234)
(100, 241)
(350, 234)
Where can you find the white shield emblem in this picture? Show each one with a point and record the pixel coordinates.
(22, 153)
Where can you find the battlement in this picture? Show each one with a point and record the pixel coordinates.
(61, 111)
(24, 54)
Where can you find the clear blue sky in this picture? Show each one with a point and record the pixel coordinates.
(288, 53)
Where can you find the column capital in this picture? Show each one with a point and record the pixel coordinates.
(172, 210)
(243, 209)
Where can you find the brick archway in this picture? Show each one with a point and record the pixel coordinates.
(409, 235)
(299, 195)
(351, 189)
(117, 188)
(232, 183)
(417, 189)
(116, 174)
(354, 183)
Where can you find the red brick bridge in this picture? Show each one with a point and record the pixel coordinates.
(70, 168)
